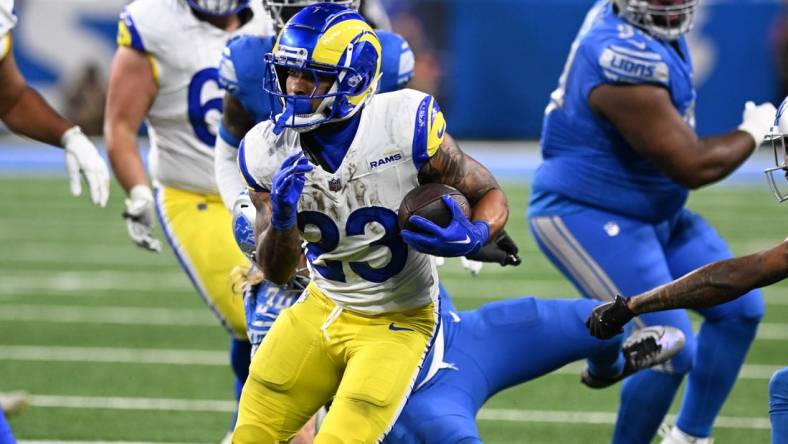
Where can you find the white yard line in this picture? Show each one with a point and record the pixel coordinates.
(486, 414)
(565, 417)
(188, 317)
(39, 282)
(219, 358)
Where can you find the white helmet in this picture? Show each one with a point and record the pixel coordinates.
(776, 138)
(281, 10)
(218, 8)
(663, 19)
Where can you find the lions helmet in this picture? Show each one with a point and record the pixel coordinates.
(663, 19)
(244, 215)
(776, 138)
(325, 41)
(281, 10)
(218, 8)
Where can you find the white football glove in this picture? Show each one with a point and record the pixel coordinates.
(140, 216)
(757, 120)
(82, 157)
(473, 267)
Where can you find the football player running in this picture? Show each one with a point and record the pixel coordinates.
(718, 283)
(366, 319)
(26, 113)
(165, 71)
(607, 204)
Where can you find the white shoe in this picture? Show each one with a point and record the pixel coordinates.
(13, 403)
(676, 436)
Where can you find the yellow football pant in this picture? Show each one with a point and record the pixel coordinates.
(198, 227)
(315, 351)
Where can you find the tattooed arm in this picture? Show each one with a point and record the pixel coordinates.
(707, 286)
(453, 167)
(716, 283)
(278, 251)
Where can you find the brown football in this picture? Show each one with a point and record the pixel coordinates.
(425, 201)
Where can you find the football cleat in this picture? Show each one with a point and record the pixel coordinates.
(643, 349)
(673, 435)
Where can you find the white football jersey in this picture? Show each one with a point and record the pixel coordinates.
(185, 53)
(348, 218)
(7, 23)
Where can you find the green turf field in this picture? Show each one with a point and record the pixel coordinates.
(113, 344)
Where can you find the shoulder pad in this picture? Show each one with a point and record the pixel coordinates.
(242, 62)
(145, 25)
(628, 55)
(260, 154)
(397, 62)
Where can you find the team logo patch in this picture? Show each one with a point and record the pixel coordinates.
(385, 160)
(334, 184)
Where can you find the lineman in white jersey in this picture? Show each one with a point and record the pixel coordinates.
(165, 72)
(25, 112)
(368, 316)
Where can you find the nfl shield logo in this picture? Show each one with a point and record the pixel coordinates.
(334, 184)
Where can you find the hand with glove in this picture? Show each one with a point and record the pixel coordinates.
(82, 158)
(757, 120)
(286, 188)
(460, 238)
(609, 319)
(140, 218)
(501, 250)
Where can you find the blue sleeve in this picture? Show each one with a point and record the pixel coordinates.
(397, 62)
(616, 59)
(241, 73)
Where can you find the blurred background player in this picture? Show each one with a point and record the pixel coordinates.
(26, 113)
(245, 102)
(718, 283)
(165, 71)
(607, 204)
(369, 322)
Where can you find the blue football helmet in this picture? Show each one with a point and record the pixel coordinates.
(324, 41)
(776, 139)
(244, 215)
(663, 19)
(218, 8)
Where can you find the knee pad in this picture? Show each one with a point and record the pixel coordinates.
(249, 434)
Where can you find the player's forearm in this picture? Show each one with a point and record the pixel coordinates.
(492, 208)
(124, 155)
(716, 283)
(32, 116)
(719, 156)
(278, 254)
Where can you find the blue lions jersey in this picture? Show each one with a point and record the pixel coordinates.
(242, 68)
(586, 159)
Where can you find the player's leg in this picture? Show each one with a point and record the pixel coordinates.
(725, 334)
(383, 357)
(196, 227)
(291, 377)
(778, 406)
(439, 414)
(6, 436)
(605, 254)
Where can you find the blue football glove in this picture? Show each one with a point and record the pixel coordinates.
(262, 304)
(286, 188)
(460, 238)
